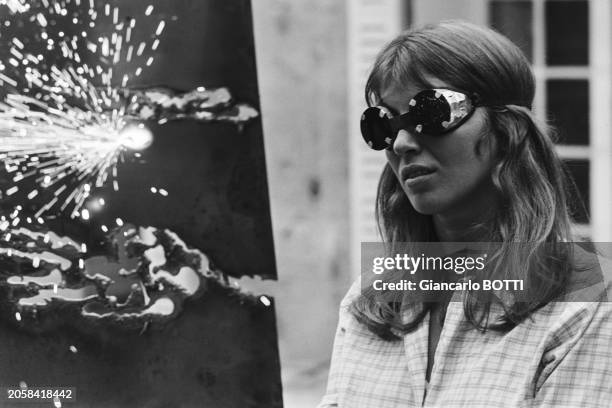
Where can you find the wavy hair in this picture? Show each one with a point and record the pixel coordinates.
(532, 184)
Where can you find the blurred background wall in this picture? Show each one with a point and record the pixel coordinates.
(313, 57)
(301, 58)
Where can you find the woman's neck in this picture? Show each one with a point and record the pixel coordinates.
(470, 226)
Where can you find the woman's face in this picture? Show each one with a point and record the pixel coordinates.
(441, 174)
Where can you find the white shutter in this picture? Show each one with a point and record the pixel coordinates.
(371, 24)
(600, 53)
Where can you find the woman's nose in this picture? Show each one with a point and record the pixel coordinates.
(405, 142)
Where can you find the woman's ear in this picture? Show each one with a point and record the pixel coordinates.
(487, 142)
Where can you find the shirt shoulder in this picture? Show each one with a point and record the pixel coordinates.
(591, 279)
(346, 317)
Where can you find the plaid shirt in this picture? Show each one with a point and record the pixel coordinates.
(560, 357)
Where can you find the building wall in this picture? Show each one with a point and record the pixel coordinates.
(301, 58)
(431, 11)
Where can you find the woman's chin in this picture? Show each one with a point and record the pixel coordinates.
(426, 206)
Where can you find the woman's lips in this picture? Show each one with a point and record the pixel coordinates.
(414, 171)
(415, 174)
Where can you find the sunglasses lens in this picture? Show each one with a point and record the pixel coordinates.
(376, 129)
(437, 111)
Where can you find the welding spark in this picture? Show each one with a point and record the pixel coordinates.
(67, 161)
(136, 137)
(64, 122)
(15, 6)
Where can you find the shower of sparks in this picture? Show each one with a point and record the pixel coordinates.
(15, 6)
(64, 125)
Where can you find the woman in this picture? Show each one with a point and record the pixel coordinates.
(467, 161)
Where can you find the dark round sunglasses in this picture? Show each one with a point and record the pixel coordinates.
(432, 112)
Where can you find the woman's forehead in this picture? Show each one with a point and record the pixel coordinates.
(396, 92)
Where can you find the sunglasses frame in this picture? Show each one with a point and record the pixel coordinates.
(461, 106)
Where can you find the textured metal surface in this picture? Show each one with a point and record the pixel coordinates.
(220, 349)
